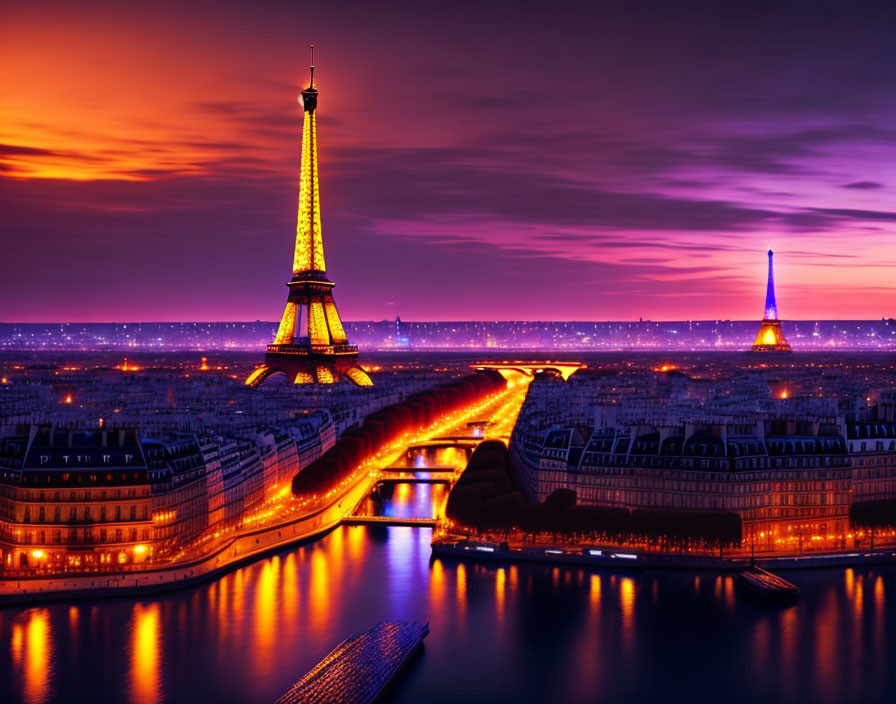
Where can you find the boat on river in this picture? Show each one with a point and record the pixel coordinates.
(359, 669)
(763, 583)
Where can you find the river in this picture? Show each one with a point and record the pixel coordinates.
(523, 633)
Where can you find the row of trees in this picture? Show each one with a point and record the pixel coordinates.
(486, 498)
(873, 514)
(387, 425)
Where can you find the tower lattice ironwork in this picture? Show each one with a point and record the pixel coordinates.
(311, 346)
(770, 337)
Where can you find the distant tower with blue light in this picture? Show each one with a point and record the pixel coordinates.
(400, 340)
(770, 337)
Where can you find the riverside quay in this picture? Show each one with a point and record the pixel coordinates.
(799, 471)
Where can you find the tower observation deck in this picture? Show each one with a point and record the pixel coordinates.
(311, 346)
(770, 337)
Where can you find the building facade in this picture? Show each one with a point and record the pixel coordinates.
(791, 473)
(87, 500)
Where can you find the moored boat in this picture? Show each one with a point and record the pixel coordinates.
(763, 583)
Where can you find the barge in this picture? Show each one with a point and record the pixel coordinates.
(760, 582)
(358, 670)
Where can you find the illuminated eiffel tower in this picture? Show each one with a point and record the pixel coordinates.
(311, 346)
(770, 337)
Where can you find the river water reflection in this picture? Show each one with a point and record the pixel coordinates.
(525, 633)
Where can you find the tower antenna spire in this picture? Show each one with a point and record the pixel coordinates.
(312, 65)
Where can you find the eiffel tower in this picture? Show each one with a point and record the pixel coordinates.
(770, 337)
(311, 346)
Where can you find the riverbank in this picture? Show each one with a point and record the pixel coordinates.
(623, 558)
(242, 548)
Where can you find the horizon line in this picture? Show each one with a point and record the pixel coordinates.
(448, 320)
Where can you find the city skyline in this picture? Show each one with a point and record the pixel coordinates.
(583, 387)
(648, 189)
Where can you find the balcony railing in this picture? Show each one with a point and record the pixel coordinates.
(305, 350)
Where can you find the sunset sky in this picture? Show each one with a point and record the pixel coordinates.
(482, 160)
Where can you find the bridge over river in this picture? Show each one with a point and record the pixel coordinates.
(413, 491)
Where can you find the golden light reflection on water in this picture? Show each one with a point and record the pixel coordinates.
(401, 497)
(290, 589)
(436, 585)
(357, 536)
(255, 619)
(238, 592)
(858, 626)
(729, 594)
(439, 495)
(594, 594)
(265, 618)
(461, 594)
(627, 606)
(37, 656)
(16, 644)
(880, 632)
(500, 586)
(318, 591)
(145, 648)
(223, 621)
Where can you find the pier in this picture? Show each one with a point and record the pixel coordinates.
(358, 669)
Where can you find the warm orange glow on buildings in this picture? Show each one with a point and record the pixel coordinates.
(126, 366)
